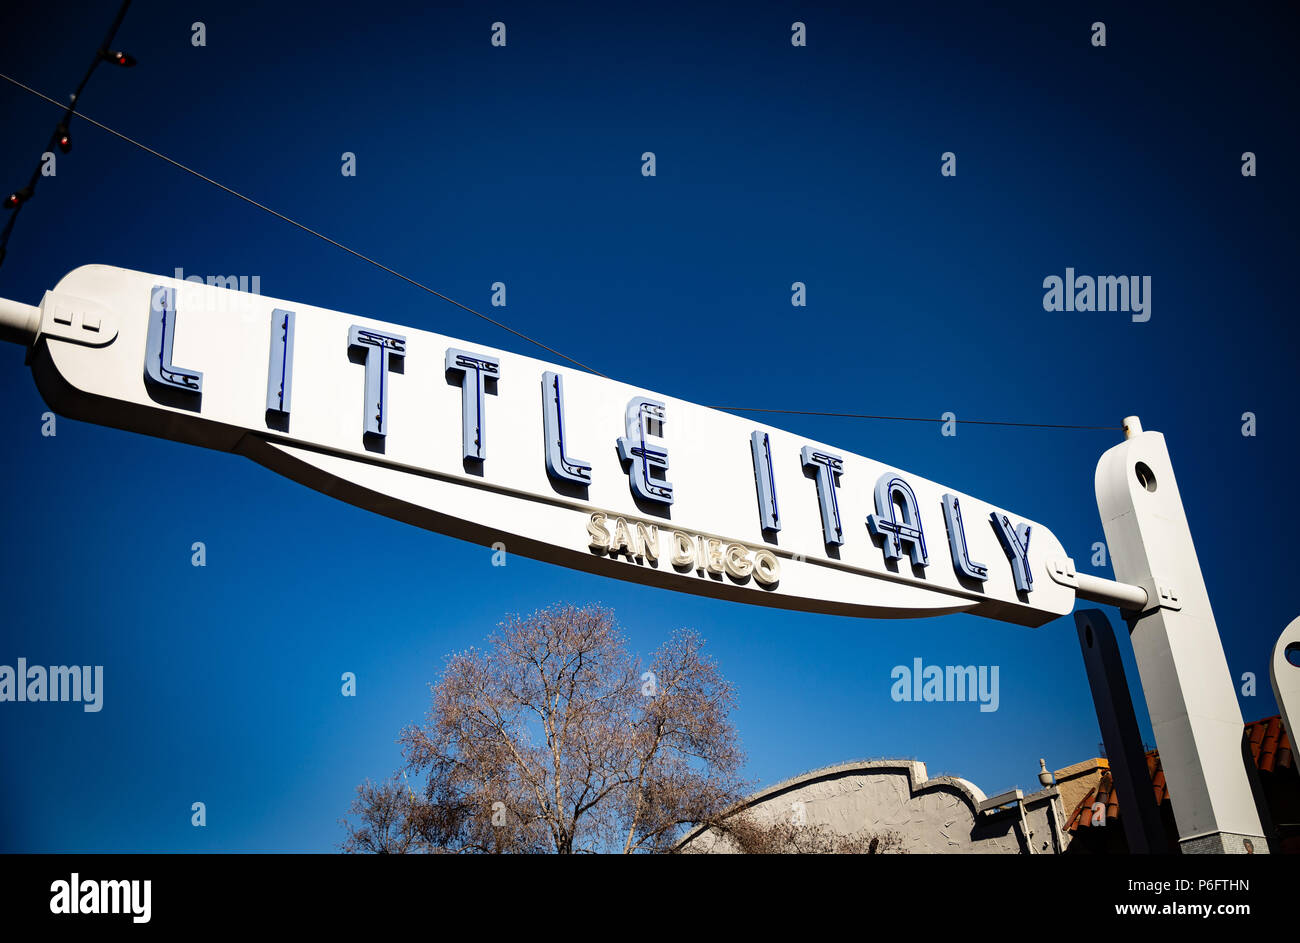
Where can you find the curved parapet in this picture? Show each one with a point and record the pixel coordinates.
(890, 798)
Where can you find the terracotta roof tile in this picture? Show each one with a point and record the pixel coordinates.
(1103, 792)
(1269, 746)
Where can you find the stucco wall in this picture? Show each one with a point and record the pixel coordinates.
(1075, 781)
(937, 815)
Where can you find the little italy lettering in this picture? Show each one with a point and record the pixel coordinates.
(573, 468)
(896, 523)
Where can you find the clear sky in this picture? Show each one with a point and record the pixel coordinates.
(522, 164)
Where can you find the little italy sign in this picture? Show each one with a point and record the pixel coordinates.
(590, 473)
(557, 464)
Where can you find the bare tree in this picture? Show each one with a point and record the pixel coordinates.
(555, 739)
(388, 819)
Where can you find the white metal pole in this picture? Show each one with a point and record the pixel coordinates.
(1110, 593)
(1189, 690)
(18, 322)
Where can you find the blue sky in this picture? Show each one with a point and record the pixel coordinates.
(522, 164)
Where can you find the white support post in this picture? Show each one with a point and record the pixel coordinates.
(1285, 675)
(1189, 691)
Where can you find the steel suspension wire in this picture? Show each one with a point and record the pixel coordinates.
(506, 327)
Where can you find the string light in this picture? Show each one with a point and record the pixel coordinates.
(62, 136)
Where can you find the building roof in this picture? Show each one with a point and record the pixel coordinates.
(1269, 747)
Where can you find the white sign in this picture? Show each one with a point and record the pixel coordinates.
(554, 463)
